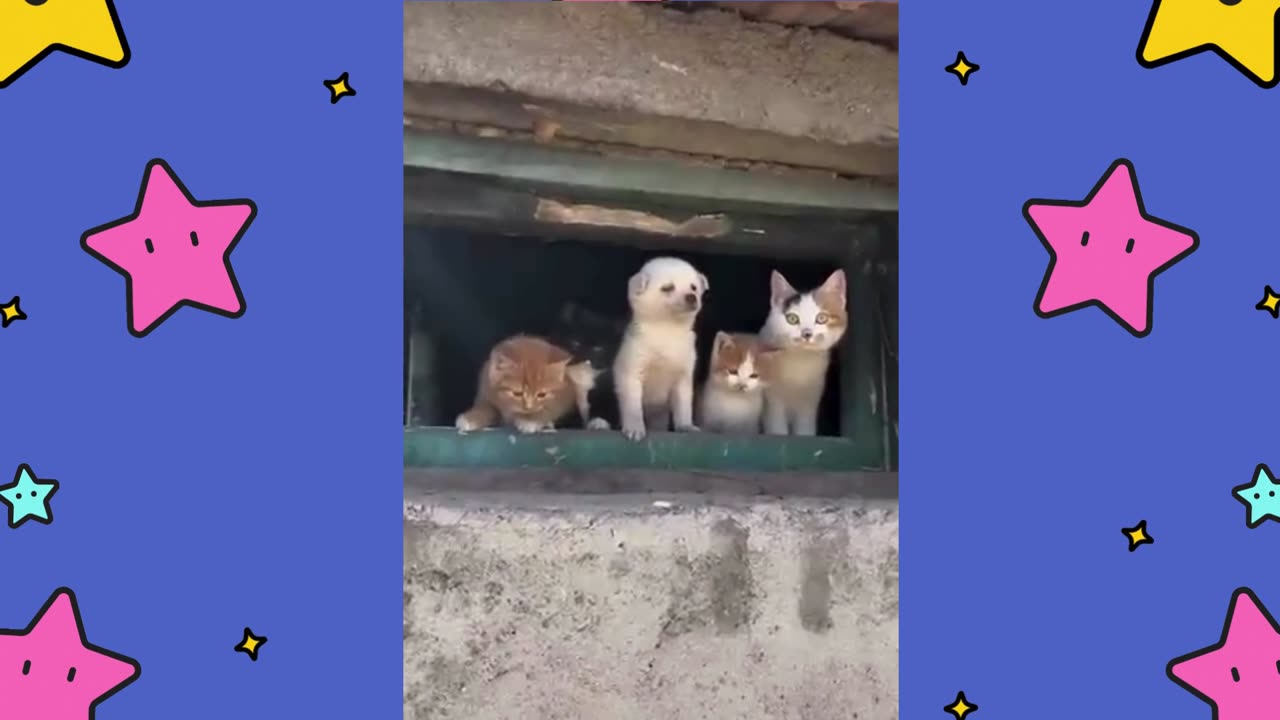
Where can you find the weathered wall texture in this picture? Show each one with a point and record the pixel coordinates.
(614, 609)
(703, 66)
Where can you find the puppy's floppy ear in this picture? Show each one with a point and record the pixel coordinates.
(706, 284)
(835, 286)
(638, 283)
(779, 289)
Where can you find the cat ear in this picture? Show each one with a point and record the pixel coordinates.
(638, 283)
(558, 356)
(499, 358)
(722, 341)
(706, 284)
(499, 364)
(835, 285)
(558, 363)
(779, 288)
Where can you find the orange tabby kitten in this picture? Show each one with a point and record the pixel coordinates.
(526, 383)
(732, 399)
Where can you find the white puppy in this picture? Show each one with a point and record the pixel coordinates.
(653, 372)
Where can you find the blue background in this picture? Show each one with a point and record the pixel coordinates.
(217, 473)
(1028, 443)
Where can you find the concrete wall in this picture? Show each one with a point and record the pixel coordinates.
(632, 56)
(611, 608)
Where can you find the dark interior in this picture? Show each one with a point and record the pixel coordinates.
(468, 290)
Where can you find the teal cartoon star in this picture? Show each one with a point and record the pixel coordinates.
(1260, 497)
(27, 497)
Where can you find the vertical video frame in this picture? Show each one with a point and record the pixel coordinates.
(651, 374)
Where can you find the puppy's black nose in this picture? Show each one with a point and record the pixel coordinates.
(691, 300)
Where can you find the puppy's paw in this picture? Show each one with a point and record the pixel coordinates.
(528, 426)
(598, 424)
(688, 428)
(633, 432)
(465, 424)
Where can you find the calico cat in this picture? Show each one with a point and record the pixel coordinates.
(527, 383)
(732, 398)
(805, 327)
(592, 338)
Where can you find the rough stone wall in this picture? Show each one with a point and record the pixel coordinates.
(634, 56)
(617, 609)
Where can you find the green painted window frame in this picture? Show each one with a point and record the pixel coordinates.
(868, 385)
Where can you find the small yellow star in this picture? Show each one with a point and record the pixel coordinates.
(962, 68)
(339, 88)
(11, 312)
(961, 707)
(1137, 535)
(250, 644)
(1270, 302)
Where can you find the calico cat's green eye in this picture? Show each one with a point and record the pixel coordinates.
(755, 376)
(517, 393)
(793, 319)
(733, 373)
(542, 394)
(821, 319)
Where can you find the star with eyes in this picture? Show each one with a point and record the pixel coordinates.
(173, 251)
(51, 671)
(27, 497)
(1106, 250)
(1237, 676)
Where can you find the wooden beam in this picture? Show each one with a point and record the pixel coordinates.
(550, 119)
(530, 163)
(487, 204)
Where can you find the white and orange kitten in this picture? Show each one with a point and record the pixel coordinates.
(806, 327)
(732, 398)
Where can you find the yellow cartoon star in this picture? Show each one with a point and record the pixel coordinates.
(1242, 32)
(339, 88)
(1137, 535)
(31, 29)
(961, 707)
(250, 644)
(962, 68)
(10, 312)
(1270, 302)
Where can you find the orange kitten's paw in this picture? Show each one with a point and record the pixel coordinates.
(465, 423)
(528, 426)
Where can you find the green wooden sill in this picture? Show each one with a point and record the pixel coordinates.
(577, 449)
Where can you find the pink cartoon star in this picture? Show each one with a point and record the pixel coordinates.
(1106, 250)
(173, 250)
(50, 671)
(1240, 676)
